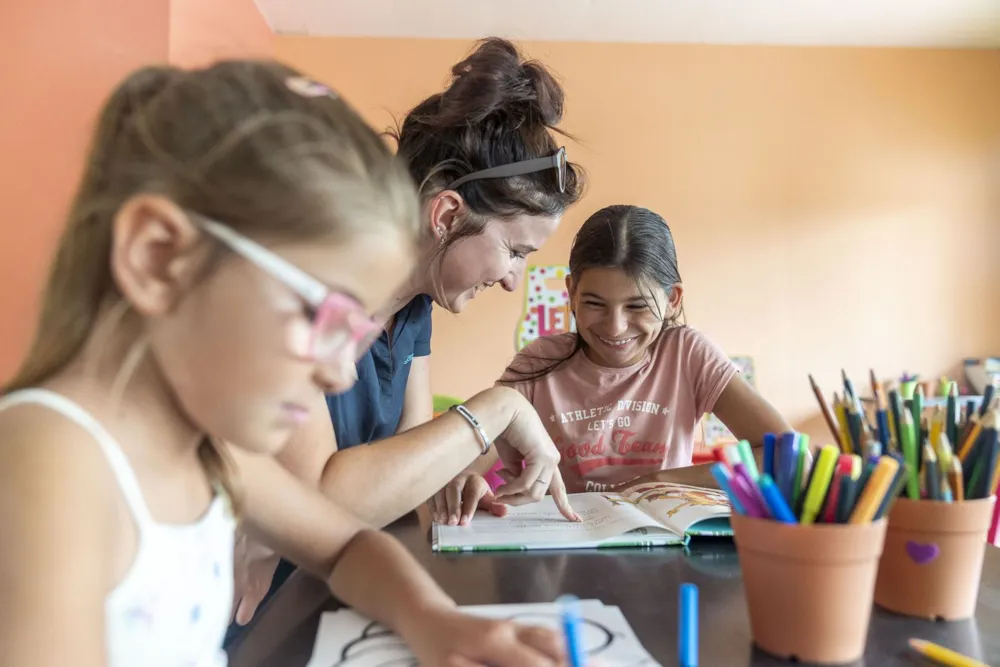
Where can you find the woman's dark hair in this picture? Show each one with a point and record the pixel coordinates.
(630, 238)
(497, 110)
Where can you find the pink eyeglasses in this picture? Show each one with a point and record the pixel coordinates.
(338, 321)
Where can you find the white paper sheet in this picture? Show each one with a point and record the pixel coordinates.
(347, 639)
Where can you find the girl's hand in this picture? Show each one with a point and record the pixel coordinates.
(449, 638)
(456, 503)
(253, 568)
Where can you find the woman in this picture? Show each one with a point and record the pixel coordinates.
(494, 185)
(622, 397)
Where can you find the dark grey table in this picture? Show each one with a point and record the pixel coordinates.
(643, 583)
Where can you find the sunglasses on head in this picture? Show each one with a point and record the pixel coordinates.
(338, 320)
(555, 161)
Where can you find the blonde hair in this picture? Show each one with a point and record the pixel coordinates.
(252, 144)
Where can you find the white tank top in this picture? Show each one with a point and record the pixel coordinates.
(172, 607)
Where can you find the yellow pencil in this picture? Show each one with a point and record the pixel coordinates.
(943, 447)
(956, 480)
(846, 445)
(937, 425)
(942, 655)
(876, 488)
(975, 428)
(988, 421)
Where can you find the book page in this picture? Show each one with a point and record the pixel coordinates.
(540, 526)
(680, 507)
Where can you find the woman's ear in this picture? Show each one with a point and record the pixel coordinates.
(444, 210)
(152, 258)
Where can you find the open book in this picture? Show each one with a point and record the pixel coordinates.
(644, 515)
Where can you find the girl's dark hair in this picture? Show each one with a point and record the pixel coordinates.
(630, 238)
(498, 109)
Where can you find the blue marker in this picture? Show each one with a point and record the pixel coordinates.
(776, 502)
(571, 628)
(724, 478)
(687, 631)
(769, 439)
(788, 462)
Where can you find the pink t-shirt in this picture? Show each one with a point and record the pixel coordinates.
(614, 424)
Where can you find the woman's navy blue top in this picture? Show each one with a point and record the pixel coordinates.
(371, 409)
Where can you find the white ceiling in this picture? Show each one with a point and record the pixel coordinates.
(916, 23)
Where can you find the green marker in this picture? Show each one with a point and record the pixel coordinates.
(909, 441)
(746, 455)
(917, 408)
(822, 474)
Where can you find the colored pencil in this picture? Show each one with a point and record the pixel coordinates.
(956, 480)
(932, 479)
(910, 455)
(987, 398)
(876, 388)
(824, 407)
(951, 414)
(987, 421)
(943, 656)
(874, 491)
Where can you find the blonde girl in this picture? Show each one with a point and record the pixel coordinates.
(234, 230)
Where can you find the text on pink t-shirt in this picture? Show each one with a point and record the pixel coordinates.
(614, 424)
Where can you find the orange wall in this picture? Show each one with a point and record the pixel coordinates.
(61, 59)
(202, 31)
(832, 207)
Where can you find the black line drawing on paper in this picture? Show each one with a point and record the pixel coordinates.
(377, 646)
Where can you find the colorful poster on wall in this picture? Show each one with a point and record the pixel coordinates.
(713, 430)
(546, 305)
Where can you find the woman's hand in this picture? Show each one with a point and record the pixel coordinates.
(449, 638)
(531, 461)
(456, 503)
(253, 567)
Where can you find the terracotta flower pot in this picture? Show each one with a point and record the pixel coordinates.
(809, 588)
(933, 558)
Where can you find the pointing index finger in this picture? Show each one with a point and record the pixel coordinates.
(558, 490)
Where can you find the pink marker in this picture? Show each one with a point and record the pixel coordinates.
(744, 487)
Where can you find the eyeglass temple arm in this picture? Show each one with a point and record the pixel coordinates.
(309, 287)
(506, 170)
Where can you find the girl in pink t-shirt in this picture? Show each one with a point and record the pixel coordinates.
(623, 396)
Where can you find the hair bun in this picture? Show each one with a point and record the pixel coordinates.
(495, 78)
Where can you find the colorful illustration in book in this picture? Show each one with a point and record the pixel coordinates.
(714, 431)
(688, 495)
(546, 305)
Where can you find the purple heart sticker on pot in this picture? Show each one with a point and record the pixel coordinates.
(921, 554)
